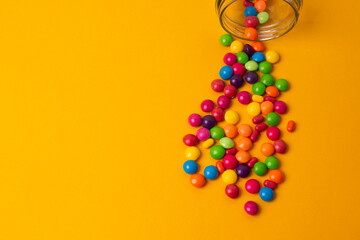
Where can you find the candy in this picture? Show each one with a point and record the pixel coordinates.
(251, 21)
(230, 91)
(260, 5)
(276, 176)
(244, 144)
(242, 57)
(272, 56)
(270, 184)
(218, 85)
(226, 142)
(266, 107)
(258, 119)
(266, 194)
(190, 167)
(290, 126)
(250, 11)
(263, 17)
(230, 161)
(251, 33)
(252, 186)
(226, 39)
(217, 132)
(207, 105)
(229, 177)
(252, 162)
(237, 81)
(223, 102)
(272, 162)
(226, 72)
(247, 3)
(282, 84)
(258, 46)
(258, 57)
(230, 59)
(236, 46)
(251, 65)
(273, 119)
(261, 127)
(238, 69)
(242, 156)
(202, 134)
(272, 91)
(244, 130)
(244, 97)
(253, 109)
(243, 170)
(232, 191)
(231, 151)
(270, 99)
(258, 98)
(208, 121)
(280, 107)
(218, 114)
(197, 180)
(217, 152)
(248, 50)
(267, 79)
(211, 172)
(267, 149)
(220, 166)
(260, 168)
(254, 136)
(192, 153)
(280, 146)
(273, 133)
(251, 208)
(232, 117)
(190, 140)
(194, 120)
(251, 77)
(259, 88)
(208, 143)
(265, 67)
(230, 131)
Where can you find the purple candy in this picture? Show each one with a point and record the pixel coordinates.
(237, 81)
(248, 50)
(244, 97)
(208, 121)
(243, 170)
(251, 77)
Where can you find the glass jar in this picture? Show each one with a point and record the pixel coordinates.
(283, 16)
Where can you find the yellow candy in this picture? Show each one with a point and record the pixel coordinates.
(253, 109)
(192, 153)
(236, 46)
(272, 56)
(232, 117)
(229, 177)
(208, 143)
(257, 98)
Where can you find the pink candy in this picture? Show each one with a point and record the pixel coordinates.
(252, 186)
(230, 161)
(244, 97)
(194, 120)
(223, 102)
(280, 146)
(202, 134)
(207, 105)
(230, 59)
(251, 207)
(273, 133)
(238, 69)
(280, 107)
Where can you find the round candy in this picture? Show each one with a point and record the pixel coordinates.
(247, 3)
(226, 72)
(272, 91)
(251, 208)
(230, 59)
(276, 176)
(265, 67)
(282, 84)
(258, 46)
(260, 5)
(242, 57)
(244, 130)
(207, 105)
(243, 157)
(197, 180)
(202, 134)
(253, 109)
(251, 21)
(217, 152)
(251, 33)
(223, 102)
(272, 56)
(267, 149)
(226, 142)
(266, 107)
(192, 153)
(230, 91)
(280, 146)
(236, 46)
(218, 85)
(250, 11)
(244, 97)
(272, 162)
(251, 65)
(232, 117)
(218, 114)
(217, 132)
(252, 186)
(208, 121)
(237, 81)
(258, 88)
(229, 176)
(251, 77)
(243, 170)
(266, 194)
(248, 50)
(273, 133)
(190, 140)
(230, 131)
(238, 69)
(273, 119)
(220, 166)
(208, 143)
(211, 172)
(260, 169)
(190, 167)
(226, 39)
(244, 144)
(232, 191)
(280, 107)
(258, 57)
(230, 161)
(263, 17)
(194, 120)
(267, 79)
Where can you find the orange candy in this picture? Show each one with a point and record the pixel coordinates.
(230, 131)
(244, 130)
(291, 126)
(243, 157)
(266, 107)
(272, 91)
(220, 166)
(197, 180)
(260, 6)
(276, 175)
(251, 33)
(258, 46)
(267, 149)
(244, 144)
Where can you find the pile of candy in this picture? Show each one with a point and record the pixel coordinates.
(232, 156)
(255, 14)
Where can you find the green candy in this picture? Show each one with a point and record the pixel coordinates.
(282, 84)
(251, 65)
(226, 142)
(260, 168)
(226, 39)
(258, 88)
(217, 132)
(217, 152)
(242, 57)
(267, 79)
(265, 67)
(272, 162)
(273, 119)
(263, 17)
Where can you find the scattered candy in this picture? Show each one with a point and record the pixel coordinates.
(226, 39)
(217, 152)
(190, 140)
(272, 162)
(263, 17)
(238, 69)
(251, 65)
(276, 176)
(242, 156)
(265, 67)
(251, 208)
(251, 77)
(270, 184)
(272, 56)
(244, 144)
(266, 107)
(230, 59)
(280, 107)
(229, 176)
(290, 126)
(231, 131)
(242, 57)
(232, 191)
(252, 186)
(208, 143)
(273, 133)
(190, 167)
(211, 172)
(267, 79)
(226, 72)
(236, 46)
(220, 166)
(223, 102)
(232, 117)
(231, 151)
(230, 91)
(272, 119)
(230, 161)
(194, 120)
(218, 114)
(217, 132)
(267, 149)
(258, 98)
(237, 81)
(258, 46)
(254, 135)
(226, 142)
(258, 119)
(253, 109)
(197, 180)
(192, 153)
(280, 146)
(243, 170)
(207, 105)
(282, 84)
(259, 88)
(266, 194)
(202, 134)
(218, 85)
(252, 162)
(244, 97)
(260, 168)
(244, 130)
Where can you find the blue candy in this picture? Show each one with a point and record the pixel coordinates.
(226, 72)
(211, 172)
(250, 11)
(266, 194)
(258, 57)
(190, 167)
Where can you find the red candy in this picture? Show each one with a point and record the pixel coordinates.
(270, 184)
(231, 151)
(230, 91)
(252, 186)
(218, 114)
(251, 21)
(252, 162)
(220, 166)
(271, 99)
(230, 162)
(217, 85)
(290, 126)
(273, 133)
(244, 97)
(247, 3)
(232, 191)
(207, 105)
(280, 146)
(238, 69)
(190, 140)
(258, 119)
(230, 59)
(261, 127)
(254, 135)
(280, 107)
(223, 102)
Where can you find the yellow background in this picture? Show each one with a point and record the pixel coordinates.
(94, 99)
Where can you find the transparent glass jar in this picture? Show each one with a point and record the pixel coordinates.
(283, 16)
